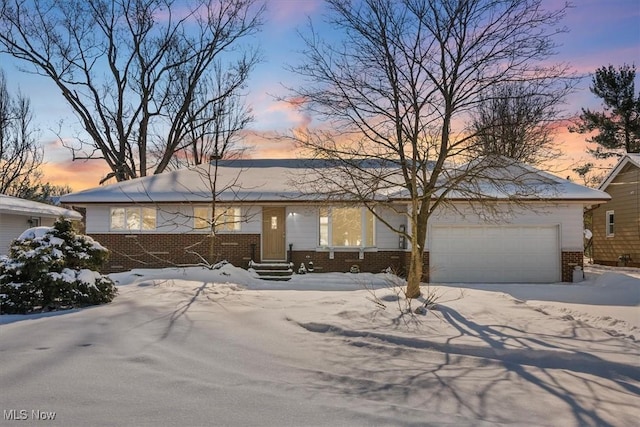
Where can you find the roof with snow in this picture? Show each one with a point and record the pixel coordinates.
(498, 177)
(18, 206)
(629, 158)
(278, 180)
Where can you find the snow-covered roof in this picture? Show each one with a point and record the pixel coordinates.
(242, 180)
(632, 158)
(498, 177)
(18, 206)
(272, 180)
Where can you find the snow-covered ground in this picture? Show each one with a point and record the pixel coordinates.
(194, 347)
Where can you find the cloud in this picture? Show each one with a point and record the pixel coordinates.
(268, 145)
(281, 116)
(79, 175)
(290, 12)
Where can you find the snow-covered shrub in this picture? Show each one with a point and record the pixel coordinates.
(52, 268)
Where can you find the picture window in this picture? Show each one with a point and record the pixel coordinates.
(346, 227)
(133, 219)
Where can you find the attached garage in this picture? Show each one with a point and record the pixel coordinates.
(490, 253)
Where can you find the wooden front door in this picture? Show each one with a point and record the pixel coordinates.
(273, 234)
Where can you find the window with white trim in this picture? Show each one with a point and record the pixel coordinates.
(133, 218)
(226, 219)
(346, 227)
(610, 223)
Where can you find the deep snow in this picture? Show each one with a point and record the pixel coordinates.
(195, 347)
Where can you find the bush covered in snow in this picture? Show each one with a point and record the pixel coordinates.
(53, 268)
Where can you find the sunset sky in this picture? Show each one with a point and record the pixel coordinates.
(601, 32)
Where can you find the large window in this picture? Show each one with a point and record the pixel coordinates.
(226, 219)
(610, 225)
(345, 227)
(133, 219)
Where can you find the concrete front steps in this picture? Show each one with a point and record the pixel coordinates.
(280, 271)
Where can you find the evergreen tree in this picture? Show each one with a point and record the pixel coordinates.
(618, 125)
(53, 268)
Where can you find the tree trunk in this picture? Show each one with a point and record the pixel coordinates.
(415, 272)
(419, 218)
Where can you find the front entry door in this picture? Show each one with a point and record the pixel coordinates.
(273, 234)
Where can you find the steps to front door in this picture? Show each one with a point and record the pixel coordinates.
(280, 271)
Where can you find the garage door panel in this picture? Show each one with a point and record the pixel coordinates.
(494, 254)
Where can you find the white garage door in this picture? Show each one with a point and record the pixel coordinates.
(499, 254)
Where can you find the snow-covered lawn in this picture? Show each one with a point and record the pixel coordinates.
(197, 348)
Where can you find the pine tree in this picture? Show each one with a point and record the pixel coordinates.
(618, 125)
(53, 268)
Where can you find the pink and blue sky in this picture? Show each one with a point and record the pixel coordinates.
(601, 32)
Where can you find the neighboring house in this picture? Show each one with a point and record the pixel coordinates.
(616, 225)
(17, 215)
(162, 219)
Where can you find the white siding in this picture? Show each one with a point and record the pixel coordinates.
(97, 219)
(253, 216)
(302, 228)
(12, 226)
(174, 219)
(387, 239)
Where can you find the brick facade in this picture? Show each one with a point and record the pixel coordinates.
(372, 262)
(130, 251)
(569, 261)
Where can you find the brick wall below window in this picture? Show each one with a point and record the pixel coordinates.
(128, 251)
(373, 262)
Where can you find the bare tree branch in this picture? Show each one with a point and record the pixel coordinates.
(20, 154)
(131, 69)
(401, 87)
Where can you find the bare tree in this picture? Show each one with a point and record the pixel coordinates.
(515, 119)
(20, 153)
(400, 89)
(215, 124)
(131, 69)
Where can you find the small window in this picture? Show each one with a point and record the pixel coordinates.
(610, 225)
(148, 219)
(133, 219)
(117, 218)
(201, 218)
(226, 219)
(324, 227)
